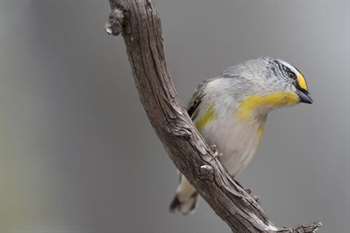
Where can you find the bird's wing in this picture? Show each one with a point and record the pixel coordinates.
(192, 110)
(199, 93)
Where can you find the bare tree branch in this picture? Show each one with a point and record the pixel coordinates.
(139, 23)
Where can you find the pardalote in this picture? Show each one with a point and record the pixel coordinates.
(230, 112)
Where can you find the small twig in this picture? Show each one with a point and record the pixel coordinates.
(303, 228)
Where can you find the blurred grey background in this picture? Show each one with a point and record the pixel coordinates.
(77, 154)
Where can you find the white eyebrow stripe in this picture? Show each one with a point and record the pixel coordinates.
(292, 68)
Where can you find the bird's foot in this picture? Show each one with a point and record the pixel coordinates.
(216, 153)
(214, 148)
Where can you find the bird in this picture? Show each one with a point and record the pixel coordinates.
(230, 112)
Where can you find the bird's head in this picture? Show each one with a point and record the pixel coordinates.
(268, 84)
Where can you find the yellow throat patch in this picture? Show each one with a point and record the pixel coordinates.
(251, 104)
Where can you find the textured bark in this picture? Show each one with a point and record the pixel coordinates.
(139, 24)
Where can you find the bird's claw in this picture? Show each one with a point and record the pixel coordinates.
(216, 153)
(216, 156)
(214, 148)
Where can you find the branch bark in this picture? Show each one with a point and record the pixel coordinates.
(140, 26)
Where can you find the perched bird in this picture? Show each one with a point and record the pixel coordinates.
(230, 112)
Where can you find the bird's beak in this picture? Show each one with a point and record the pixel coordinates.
(304, 97)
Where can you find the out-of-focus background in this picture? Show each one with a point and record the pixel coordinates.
(77, 154)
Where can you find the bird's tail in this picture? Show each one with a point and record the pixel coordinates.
(185, 199)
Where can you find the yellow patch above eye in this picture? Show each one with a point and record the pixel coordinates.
(250, 105)
(302, 82)
(204, 120)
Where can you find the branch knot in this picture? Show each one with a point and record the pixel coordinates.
(206, 172)
(114, 24)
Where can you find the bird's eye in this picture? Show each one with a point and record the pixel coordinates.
(291, 75)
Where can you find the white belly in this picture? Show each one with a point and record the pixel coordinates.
(237, 141)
